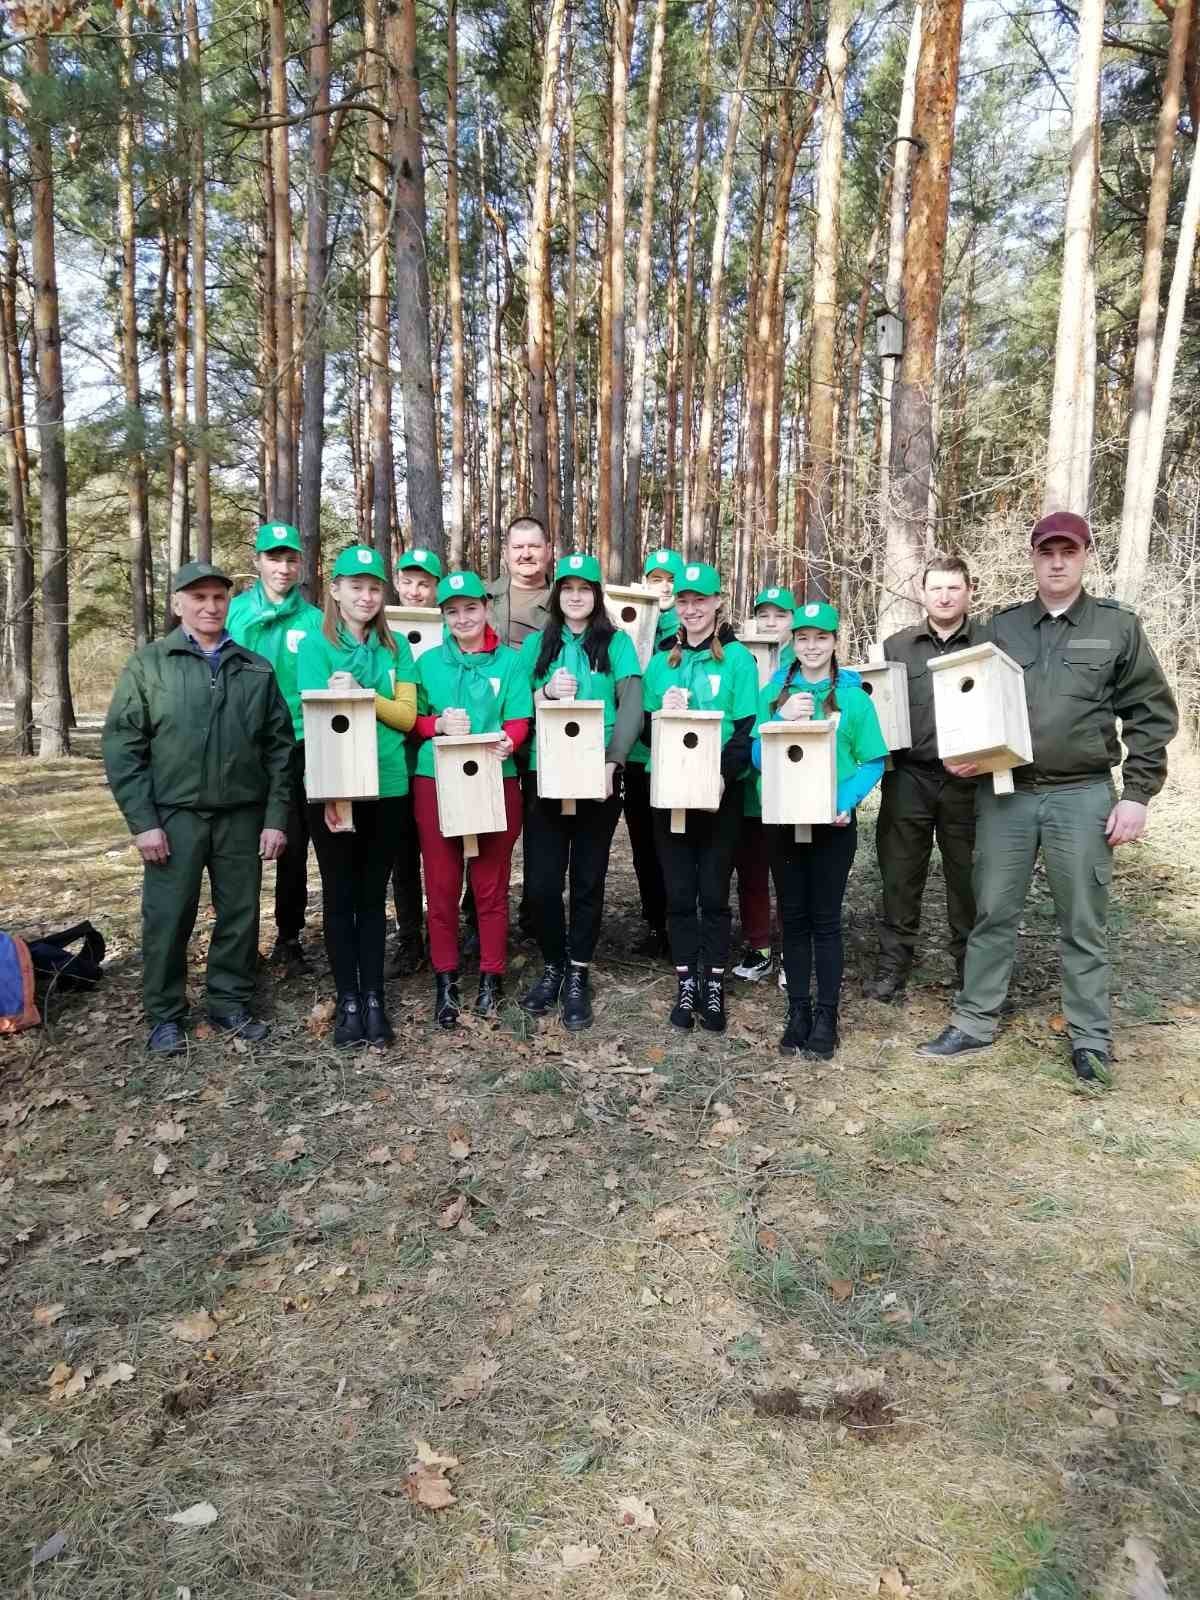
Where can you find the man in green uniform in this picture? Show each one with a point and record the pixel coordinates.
(920, 801)
(1087, 663)
(271, 618)
(197, 745)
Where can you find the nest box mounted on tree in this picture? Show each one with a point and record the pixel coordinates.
(889, 335)
(685, 763)
(634, 609)
(470, 787)
(887, 684)
(980, 711)
(764, 647)
(570, 751)
(341, 756)
(799, 774)
(420, 625)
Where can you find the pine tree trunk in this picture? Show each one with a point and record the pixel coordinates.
(316, 273)
(1068, 446)
(539, 222)
(199, 292)
(178, 541)
(670, 474)
(603, 432)
(20, 571)
(1147, 325)
(689, 282)
(615, 465)
(912, 431)
(52, 456)
(424, 478)
(135, 455)
(854, 396)
(281, 207)
(458, 381)
(893, 289)
(699, 510)
(569, 378)
(378, 321)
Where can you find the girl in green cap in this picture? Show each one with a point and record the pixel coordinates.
(706, 670)
(355, 646)
(579, 655)
(471, 683)
(811, 879)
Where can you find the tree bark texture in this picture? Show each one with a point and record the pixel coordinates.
(539, 222)
(315, 275)
(284, 508)
(199, 291)
(135, 454)
(893, 291)
(458, 379)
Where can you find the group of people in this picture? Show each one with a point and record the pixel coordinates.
(204, 750)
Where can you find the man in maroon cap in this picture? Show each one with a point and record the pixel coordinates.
(1087, 664)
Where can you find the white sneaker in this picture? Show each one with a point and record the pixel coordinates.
(753, 965)
(782, 978)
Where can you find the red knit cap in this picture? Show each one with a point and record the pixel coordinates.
(1062, 525)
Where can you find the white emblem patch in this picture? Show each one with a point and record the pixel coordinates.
(772, 594)
(456, 580)
(575, 561)
(714, 683)
(364, 557)
(280, 533)
(692, 572)
(294, 636)
(495, 683)
(420, 555)
(812, 609)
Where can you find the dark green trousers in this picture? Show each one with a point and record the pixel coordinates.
(919, 804)
(1067, 826)
(225, 845)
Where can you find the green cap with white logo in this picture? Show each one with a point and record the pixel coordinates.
(424, 559)
(577, 566)
(663, 561)
(461, 586)
(698, 578)
(360, 561)
(817, 614)
(277, 536)
(775, 596)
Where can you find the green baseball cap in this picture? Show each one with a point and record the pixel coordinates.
(461, 586)
(663, 561)
(775, 596)
(360, 561)
(277, 536)
(578, 566)
(196, 572)
(817, 614)
(698, 578)
(425, 559)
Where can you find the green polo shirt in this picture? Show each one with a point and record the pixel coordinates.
(437, 685)
(859, 738)
(275, 631)
(732, 682)
(375, 668)
(622, 662)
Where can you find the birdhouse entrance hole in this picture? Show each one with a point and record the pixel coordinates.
(795, 752)
(628, 613)
(340, 724)
(572, 730)
(470, 768)
(967, 685)
(691, 740)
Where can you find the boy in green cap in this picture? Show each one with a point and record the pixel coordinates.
(272, 618)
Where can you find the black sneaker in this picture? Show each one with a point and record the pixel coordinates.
(712, 1002)
(953, 1041)
(288, 954)
(887, 986)
(447, 1002)
(1092, 1066)
(348, 1026)
(683, 1013)
(754, 964)
(491, 992)
(576, 1000)
(375, 1019)
(543, 996)
(799, 1026)
(241, 1023)
(166, 1039)
(823, 1039)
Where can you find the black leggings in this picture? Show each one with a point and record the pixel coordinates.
(555, 846)
(810, 886)
(639, 819)
(355, 868)
(696, 868)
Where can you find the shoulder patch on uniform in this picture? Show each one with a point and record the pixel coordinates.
(1116, 605)
(1002, 611)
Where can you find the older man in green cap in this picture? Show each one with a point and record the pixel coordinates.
(1087, 664)
(197, 745)
(271, 618)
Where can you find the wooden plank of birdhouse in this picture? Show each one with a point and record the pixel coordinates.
(886, 683)
(981, 712)
(570, 751)
(799, 767)
(420, 625)
(470, 787)
(634, 609)
(764, 647)
(685, 763)
(341, 759)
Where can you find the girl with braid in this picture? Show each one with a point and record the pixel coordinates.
(810, 879)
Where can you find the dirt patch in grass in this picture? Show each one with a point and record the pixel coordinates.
(651, 1295)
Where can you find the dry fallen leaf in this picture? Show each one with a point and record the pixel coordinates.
(1105, 1417)
(426, 1483)
(49, 1175)
(458, 1141)
(160, 1164)
(853, 1129)
(378, 1156)
(891, 1581)
(123, 1137)
(119, 1372)
(574, 1556)
(470, 1382)
(47, 1316)
(1058, 1023)
(1148, 1581)
(108, 1258)
(65, 1383)
(841, 1289)
(201, 1515)
(453, 1214)
(169, 1132)
(182, 1197)
(320, 1019)
(195, 1328)
(636, 1515)
(1055, 1379)
(291, 1149)
(217, 1162)
(144, 1216)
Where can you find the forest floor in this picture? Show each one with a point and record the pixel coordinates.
(609, 1316)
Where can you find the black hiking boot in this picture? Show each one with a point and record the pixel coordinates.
(542, 998)
(447, 1002)
(712, 1002)
(576, 1000)
(348, 1026)
(491, 992)
(378, 1027)
(799, 1026)
(683, 1013)
(823, 1040)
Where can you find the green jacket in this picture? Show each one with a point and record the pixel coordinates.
(180, 737)
(275, 631)
(729, 686)
(916, 647)
(437, 687)
(623, 663)
(1083, 670)
(514, 634)
(372, 667)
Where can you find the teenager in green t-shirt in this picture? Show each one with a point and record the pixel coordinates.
(355, 647)
(579, 655)
(706, 670)
(811, 879)
(471, 683)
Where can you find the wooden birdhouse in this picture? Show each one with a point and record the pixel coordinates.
(764, 647)
(799, 774)
(634, 609)
(685, 763)
(470, 787)
(570, 751)
(341, 756)
(886, 682)
(980, 711)
(420, 625)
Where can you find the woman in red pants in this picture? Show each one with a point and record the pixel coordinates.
(470, 684)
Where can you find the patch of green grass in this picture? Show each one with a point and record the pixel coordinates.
(542, 1080)
(854, 1252)
(1046, 1208)
(1142, 1005)
(414, 1250)
(776, 1275)
(908, 1144)
(1031, 1567)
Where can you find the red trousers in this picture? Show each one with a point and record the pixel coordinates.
(489, 870)
(753, 868)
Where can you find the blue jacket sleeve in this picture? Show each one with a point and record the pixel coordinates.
(854, 789)
(756, 752)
